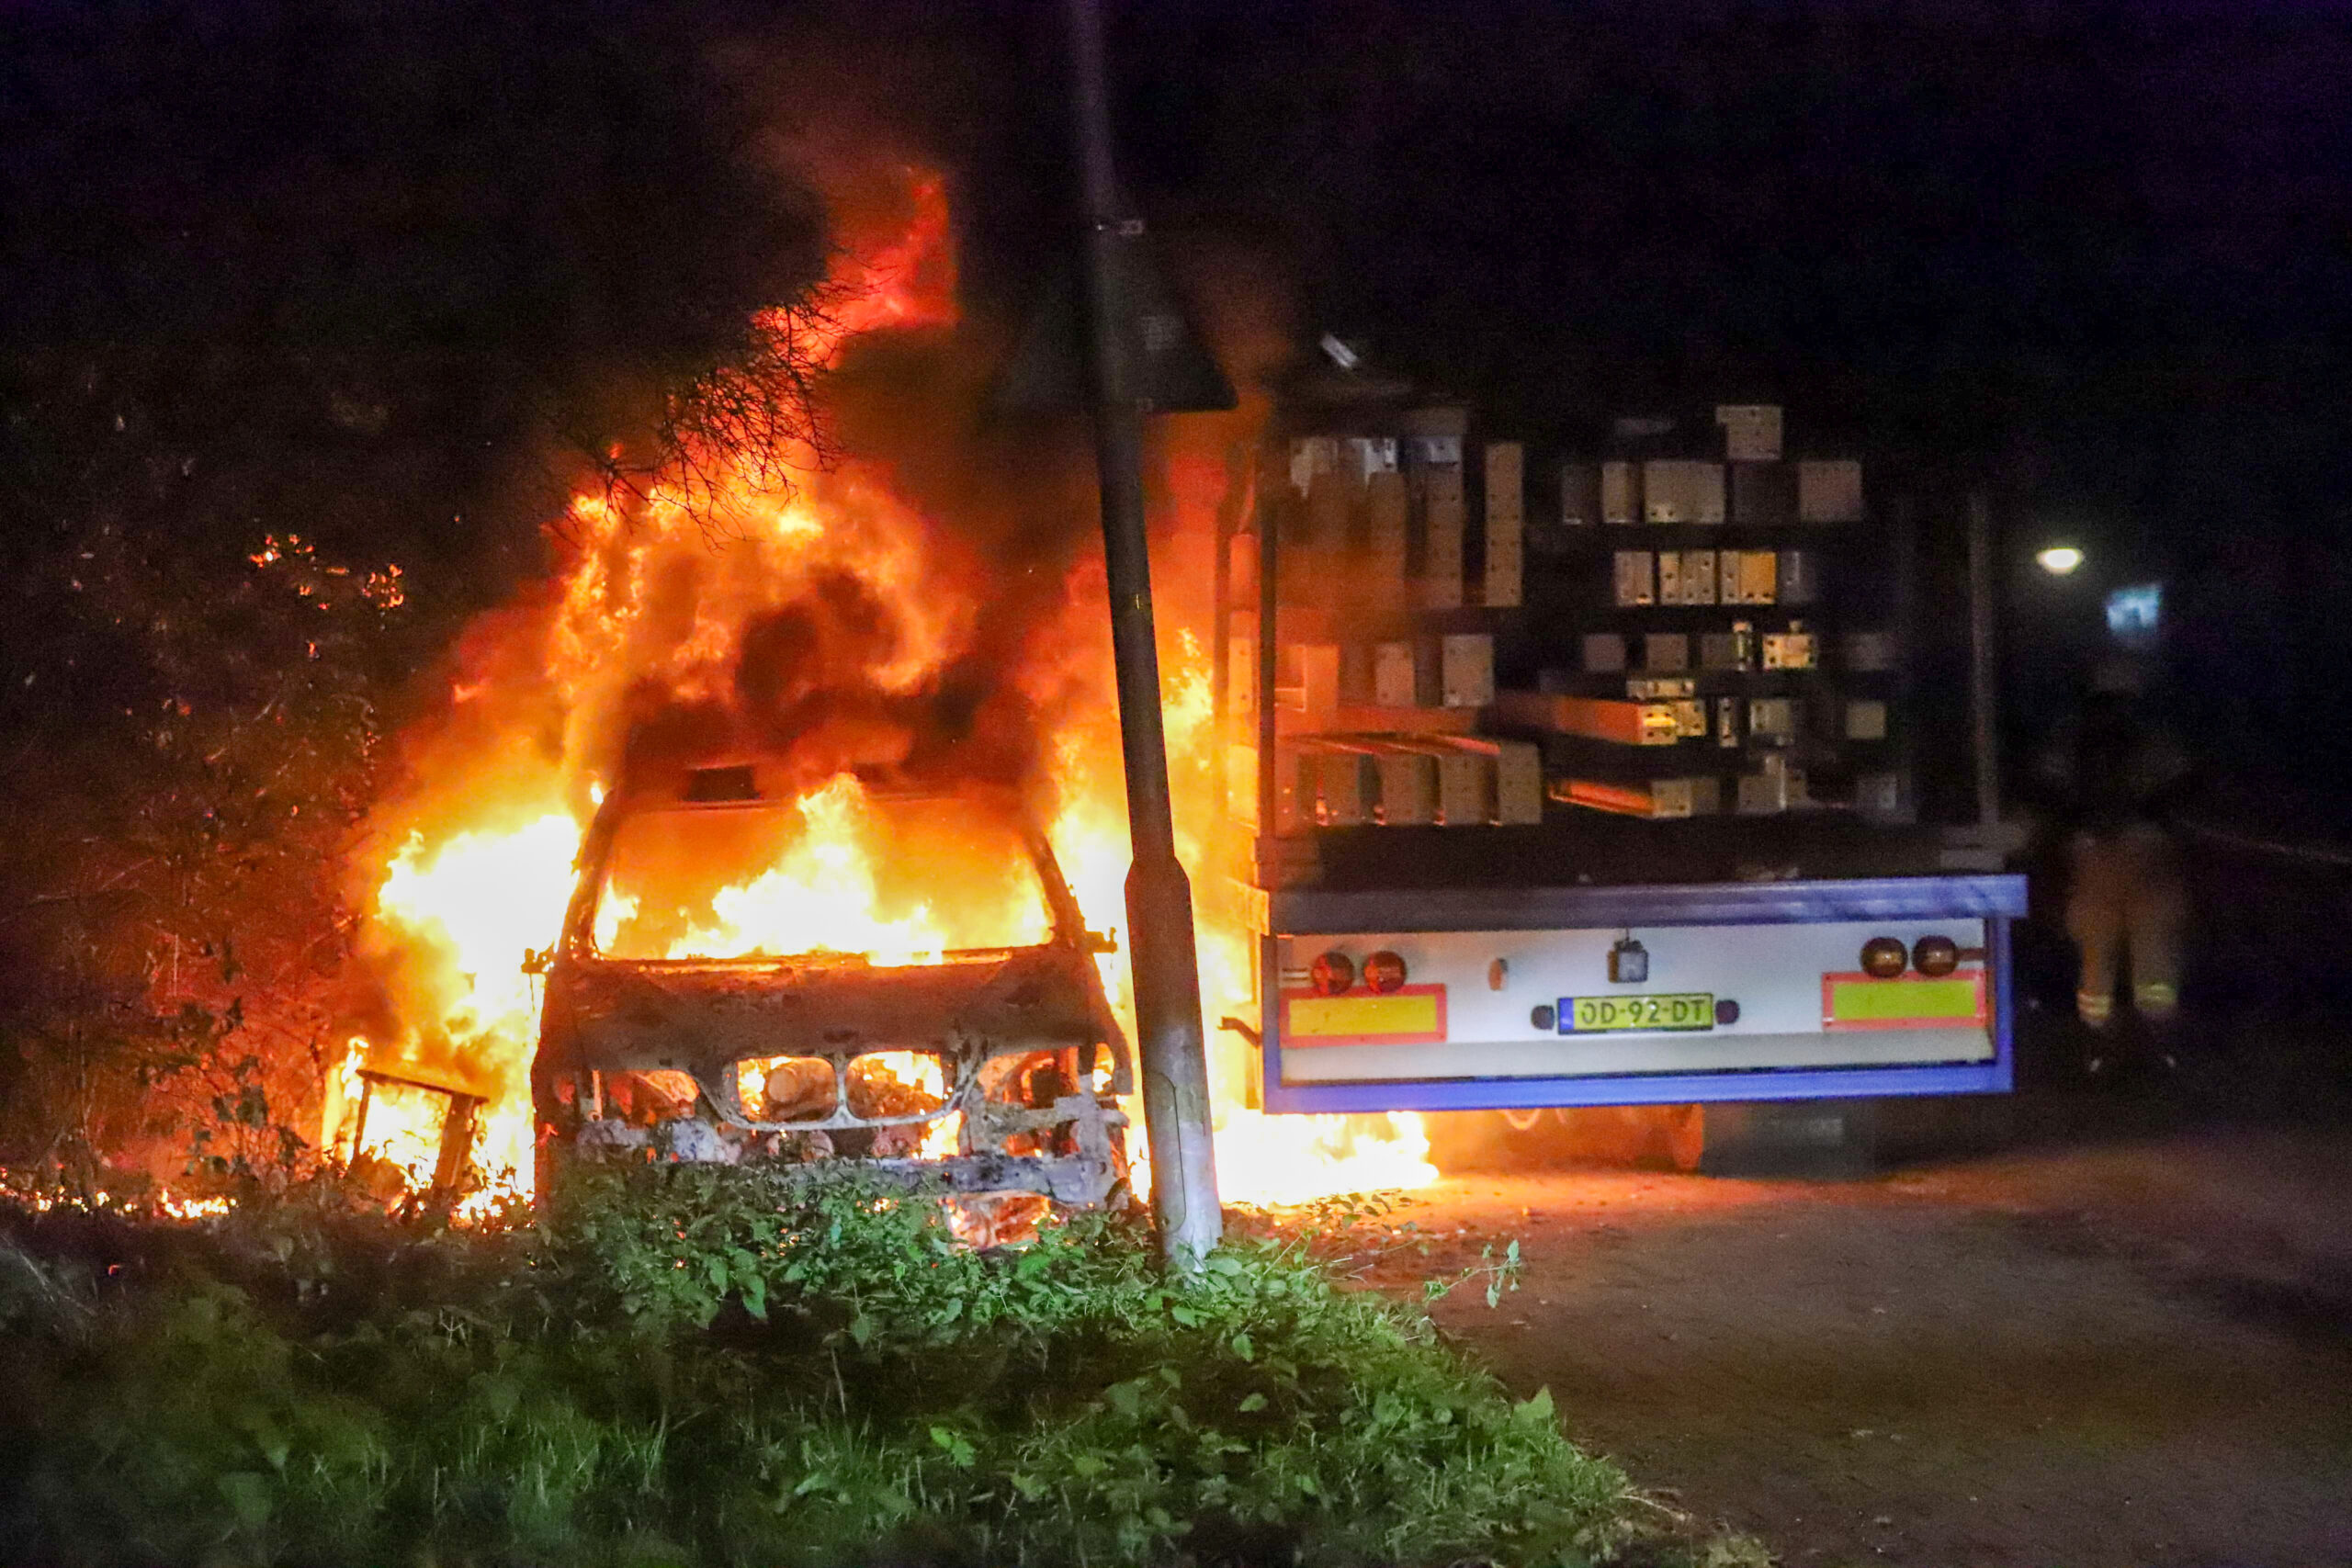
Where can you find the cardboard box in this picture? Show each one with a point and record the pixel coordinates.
(1719, 651)
(1791, 649)
(1829, 492)
(1662, 799)
(1393, 683)
(1466, 670)
(1408, 786)
(1699, 576)
(1506, 521)
(1636, 579)
(1676, 489)
(1364, 456)
(1346, 785)
(1660, 689)
(1666, 653)
(1751, 432)
(1519, 779)
(1759, 577)
(1506, 475)
(1319, 678)
(1604, 652)
(1866, 719)
(1727, 722)
(1621, 499)
(1436, 490)
(1690, 719)
(1465, 781)
(1330, 506)
(1729, 577)
(1772, 718)
(1506, 580)
(1763, 494)
(1387, 513)
(1294, 788)
(1669, 577)
(1310, 455)
(1580, 495)
(1701, 796)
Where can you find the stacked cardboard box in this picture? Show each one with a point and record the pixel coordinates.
(1352, 780)
(1505, 498)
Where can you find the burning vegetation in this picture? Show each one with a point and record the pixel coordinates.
(828, 644)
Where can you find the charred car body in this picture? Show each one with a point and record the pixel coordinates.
(701, 1004)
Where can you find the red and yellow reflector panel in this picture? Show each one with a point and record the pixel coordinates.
(1863, 1001)
(1411, 1015)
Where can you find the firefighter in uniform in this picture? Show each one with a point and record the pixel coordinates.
(2127, 901)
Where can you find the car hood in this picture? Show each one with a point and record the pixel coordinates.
(698, 1016)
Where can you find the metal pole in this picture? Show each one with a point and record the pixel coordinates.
(1982, 664)
(1159, 897)
(1270, 509)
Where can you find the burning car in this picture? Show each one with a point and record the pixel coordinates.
(749, 974)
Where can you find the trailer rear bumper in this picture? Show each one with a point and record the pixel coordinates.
(1803, 1023)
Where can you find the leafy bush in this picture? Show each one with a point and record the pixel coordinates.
(685, 1366)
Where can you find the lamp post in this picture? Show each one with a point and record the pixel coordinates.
(1136, 347)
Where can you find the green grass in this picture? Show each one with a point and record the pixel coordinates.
(681, 1366)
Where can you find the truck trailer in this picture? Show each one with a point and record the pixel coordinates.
(1591, 779)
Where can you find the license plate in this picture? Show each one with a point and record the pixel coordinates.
(1667, 1010)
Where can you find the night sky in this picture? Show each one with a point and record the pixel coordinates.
(2098, 257)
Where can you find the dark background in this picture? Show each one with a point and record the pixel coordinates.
(2097, 257)
(2094, 254)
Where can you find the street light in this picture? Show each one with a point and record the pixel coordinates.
(2058, 560)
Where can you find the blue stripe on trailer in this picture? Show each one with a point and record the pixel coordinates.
(1500, 1094)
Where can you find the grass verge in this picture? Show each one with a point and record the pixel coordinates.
(683, 1366)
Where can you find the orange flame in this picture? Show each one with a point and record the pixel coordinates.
(481, 856)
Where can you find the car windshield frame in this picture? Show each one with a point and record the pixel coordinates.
(1063, 921)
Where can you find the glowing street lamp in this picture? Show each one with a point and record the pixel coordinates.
(2058, 560)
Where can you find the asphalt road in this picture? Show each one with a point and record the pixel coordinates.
(2131, 1350)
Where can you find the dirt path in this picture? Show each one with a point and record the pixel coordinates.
(2137, 1355)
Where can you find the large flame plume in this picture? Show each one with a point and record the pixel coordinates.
(833, 621)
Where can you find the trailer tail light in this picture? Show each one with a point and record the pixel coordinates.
(1385, 971)
(1934, 956)
(1884, 958)
(1333, 973)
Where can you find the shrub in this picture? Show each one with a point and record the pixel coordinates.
(688, 1366)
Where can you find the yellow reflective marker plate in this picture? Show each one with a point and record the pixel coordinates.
(1858, 1001)
(1411, 1015)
